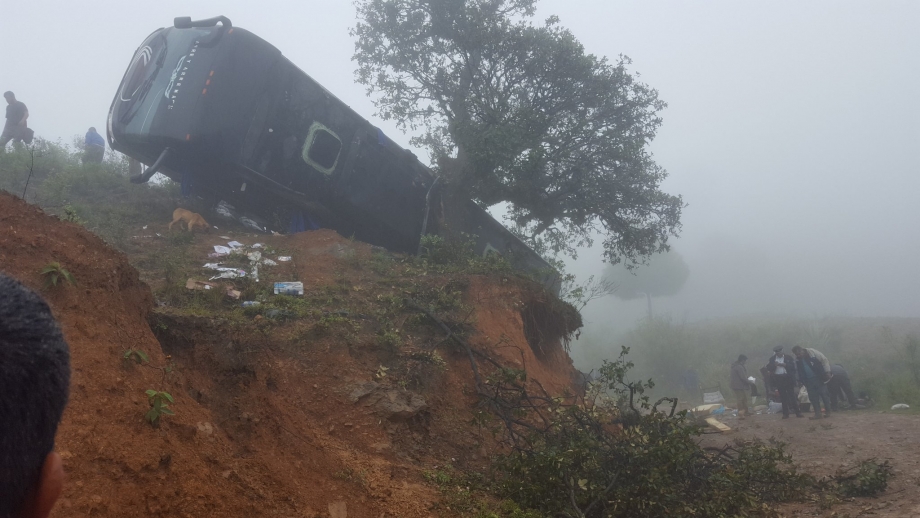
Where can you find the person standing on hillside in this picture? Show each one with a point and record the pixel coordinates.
(783, 376)
(93, 147)
(741, 385)
(34, 387)
(815, 373)
(16, 127)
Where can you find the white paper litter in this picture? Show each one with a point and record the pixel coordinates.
(254, 256)
(257, 245)
(269, 262)
(212, 266)
(145, 227)
(255, 272)
(229, 274)
(235, 244)
(284, 258)
(225, 237)
(221, 250)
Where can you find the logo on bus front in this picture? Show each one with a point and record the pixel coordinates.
(178, 76)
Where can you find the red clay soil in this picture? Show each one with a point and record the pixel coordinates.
(260, 429)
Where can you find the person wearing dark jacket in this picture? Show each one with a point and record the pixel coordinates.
(781, 368)
(767, 385)
(814, 372)
(741, 385)
(16, 126)
(839, 387)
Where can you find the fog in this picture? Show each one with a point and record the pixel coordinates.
(791, 130)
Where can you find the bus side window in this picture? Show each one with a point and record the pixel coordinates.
(322, 148)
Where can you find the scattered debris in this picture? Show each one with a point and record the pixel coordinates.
(225, 209)
(251, 303)
(228, 273)
(708, 409)
(254, 256)
(247, 222)
(269, 262)
(900, 406)
(192, 284)
(257, 245)
(717, 425)
(233, 294)
(220, 251)
(288, 288)
(284, 258)
(234, 245)
(225, 237)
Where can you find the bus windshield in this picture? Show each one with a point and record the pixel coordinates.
(153, 76)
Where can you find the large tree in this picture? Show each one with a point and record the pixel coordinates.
(519, 113)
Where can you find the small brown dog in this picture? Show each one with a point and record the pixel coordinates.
(190, 218)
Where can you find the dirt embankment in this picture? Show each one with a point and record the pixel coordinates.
(287, 417)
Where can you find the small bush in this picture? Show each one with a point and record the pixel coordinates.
(54, 273)
(136, 355)
(870, 479)
(158, 406)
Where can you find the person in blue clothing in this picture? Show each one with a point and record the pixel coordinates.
(93, 147)
(814, 372)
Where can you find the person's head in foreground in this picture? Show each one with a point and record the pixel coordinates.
(34, 383)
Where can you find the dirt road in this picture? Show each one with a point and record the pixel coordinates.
(842, 441)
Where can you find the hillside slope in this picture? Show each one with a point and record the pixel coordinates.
(334, 402)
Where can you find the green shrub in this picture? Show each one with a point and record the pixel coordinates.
(615, 454)
(54, 272)
(870, 479)
(158, 406)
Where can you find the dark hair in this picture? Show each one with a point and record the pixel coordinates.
(742, 358)
(797, 348)
(93, 129)
(9, 94)
(34, 385)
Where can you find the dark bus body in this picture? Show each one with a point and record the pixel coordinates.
(222, 111)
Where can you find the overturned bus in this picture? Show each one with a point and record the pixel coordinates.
(222, 111)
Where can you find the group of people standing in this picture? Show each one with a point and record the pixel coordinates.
(784, 373)
(16, 129)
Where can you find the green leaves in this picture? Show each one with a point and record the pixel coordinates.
(158, 406)
(520, 113)
(54, 273)
(137, 355)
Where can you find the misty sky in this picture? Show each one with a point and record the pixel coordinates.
(792, 128)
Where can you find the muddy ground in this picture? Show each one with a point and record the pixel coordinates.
(840, 442)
